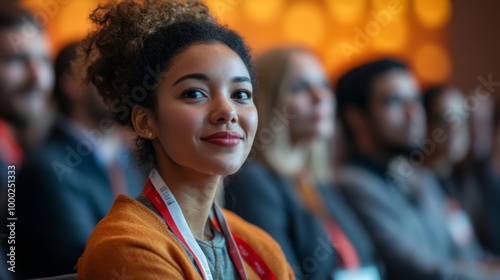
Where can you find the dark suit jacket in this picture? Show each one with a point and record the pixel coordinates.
(58, 213)
(269, 201)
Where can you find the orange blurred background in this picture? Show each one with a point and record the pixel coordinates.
(344, 33)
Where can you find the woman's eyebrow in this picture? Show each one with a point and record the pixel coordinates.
(203, 77)
(241, 79)
(197, 76)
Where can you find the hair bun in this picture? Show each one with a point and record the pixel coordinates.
(120, 30)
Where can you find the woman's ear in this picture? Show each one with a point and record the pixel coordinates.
(144, 122)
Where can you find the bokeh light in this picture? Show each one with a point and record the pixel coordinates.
(432, 13)
(346, 11)
(403, 6)
(76, 31)
(263, 11)
(319, 24)
(432, 63)
(393, 37)
(304, 22)
(334, 57)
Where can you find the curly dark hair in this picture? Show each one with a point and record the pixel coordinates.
(134, 44)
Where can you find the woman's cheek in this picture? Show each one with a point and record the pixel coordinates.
(251, 121)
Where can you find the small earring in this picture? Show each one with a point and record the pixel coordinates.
(150, 134)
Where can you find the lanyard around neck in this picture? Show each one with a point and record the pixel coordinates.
(156, 191)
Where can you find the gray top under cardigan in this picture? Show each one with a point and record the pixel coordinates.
(216, 250)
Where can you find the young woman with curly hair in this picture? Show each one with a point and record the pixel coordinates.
(184, 84)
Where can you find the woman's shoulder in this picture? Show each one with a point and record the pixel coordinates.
(128, 217)
(132, 236)
(262, 243)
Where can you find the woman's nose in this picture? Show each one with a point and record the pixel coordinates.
(318, 94)
(223, 111)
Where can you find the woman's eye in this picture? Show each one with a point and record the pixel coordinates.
(243, 95)
(192, 94)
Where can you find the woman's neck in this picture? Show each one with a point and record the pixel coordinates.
(195, 194)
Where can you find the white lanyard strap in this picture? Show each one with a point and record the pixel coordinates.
(178, 223)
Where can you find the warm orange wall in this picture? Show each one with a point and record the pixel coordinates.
(67, 20)
(417, 30)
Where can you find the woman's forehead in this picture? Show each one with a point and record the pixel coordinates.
(211, 59)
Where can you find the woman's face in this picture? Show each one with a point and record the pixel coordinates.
(206, 115)
(308, 97)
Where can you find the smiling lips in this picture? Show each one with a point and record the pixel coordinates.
(224, 138)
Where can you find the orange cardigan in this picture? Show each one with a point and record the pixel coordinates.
(132, 242)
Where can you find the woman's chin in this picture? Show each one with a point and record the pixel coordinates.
(225, 168)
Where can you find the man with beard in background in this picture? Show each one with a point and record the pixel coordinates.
(70, 183)
(26, 81)
(398, 201)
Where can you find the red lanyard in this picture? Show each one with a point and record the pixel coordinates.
(247, 252)
(162, 198)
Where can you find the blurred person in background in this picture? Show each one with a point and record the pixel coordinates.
(286, 188)
(26, 81)
(487, 170)
(399, 202)
(477, 177)
(70, 183)
(447, 114)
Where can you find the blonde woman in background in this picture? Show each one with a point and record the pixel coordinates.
(285, 186)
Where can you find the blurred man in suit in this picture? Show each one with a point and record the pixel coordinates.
(467, 181)
(69, 184)
(26, 81)
(398, 201)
